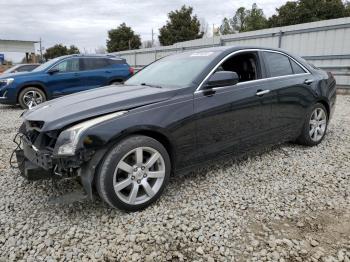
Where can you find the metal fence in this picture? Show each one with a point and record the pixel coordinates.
(326, 44)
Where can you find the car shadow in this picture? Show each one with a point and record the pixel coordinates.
(50, 191)
(10, 107)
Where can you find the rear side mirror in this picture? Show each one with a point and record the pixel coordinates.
(53, 71)
(222, 78)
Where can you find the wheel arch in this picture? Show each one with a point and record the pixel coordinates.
(156, 134)
(325, 103)
(121, 80)
(37, 85)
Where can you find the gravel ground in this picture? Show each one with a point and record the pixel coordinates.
(290, 203)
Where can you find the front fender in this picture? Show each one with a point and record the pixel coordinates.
(98, 138)
(170, 122)
(39, 84)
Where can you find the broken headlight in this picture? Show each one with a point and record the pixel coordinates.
(68, 139)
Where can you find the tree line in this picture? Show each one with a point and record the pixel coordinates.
(291, 13)
(183, 25)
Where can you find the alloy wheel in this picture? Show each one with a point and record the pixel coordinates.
(139, 175)
(32, 98)
(317, 124)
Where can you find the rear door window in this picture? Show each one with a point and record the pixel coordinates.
(277, 64)
(296, 68)
(95, 63)
(116, 61)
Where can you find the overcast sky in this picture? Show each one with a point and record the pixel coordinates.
(85, 23)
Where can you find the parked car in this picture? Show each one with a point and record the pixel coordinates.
(62, 76)
(174, 115)
(21, 68)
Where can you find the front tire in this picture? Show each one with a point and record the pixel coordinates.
(30, 97)
(315, 126)
(134, 173)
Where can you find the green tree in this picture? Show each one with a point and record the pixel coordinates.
(239, 19)
(181, 26)
(226, 27)
(73, 50)
(255, 19)
(122, 38)
(287, 14)
(60, 50)
(347, 8)
(305, 11)
(249, 19)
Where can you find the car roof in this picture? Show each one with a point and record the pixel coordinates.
(93, 56)
(27, 64)
(225, 50)
(234, 48)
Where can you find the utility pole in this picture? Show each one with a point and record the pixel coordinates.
(152, 38)
(213, 33)
(41, 51)
(129, 44)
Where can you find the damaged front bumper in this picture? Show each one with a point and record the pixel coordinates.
(37, 164)
(30, 170)
(32, 163)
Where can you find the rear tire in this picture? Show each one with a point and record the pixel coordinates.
(134, 173)
(30, 97)
(315, 126)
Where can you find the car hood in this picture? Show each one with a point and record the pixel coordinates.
(18, 74)
(61, 112)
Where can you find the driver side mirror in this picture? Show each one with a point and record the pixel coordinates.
(53, 71)
(222, 78)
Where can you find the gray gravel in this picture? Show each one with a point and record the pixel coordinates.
(290, 203)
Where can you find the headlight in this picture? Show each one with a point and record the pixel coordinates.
(6, 82)
(69, 138)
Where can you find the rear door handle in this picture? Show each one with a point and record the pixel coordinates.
(308, 81)
(262, 92)
(108, 71)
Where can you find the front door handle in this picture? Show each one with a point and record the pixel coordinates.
(209, 92)
(262, 92)
(308, 81)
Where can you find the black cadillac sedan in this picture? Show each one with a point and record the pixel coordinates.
(178, 112)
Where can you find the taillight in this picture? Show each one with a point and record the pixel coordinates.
(131, 70)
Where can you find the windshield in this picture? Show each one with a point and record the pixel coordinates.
(10, 70)
(173, 71)
(46, 65)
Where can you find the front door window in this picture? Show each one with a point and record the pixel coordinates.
(69, 65)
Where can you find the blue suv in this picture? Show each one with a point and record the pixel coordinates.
(62, 76)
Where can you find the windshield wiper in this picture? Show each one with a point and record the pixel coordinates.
(150, 85)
